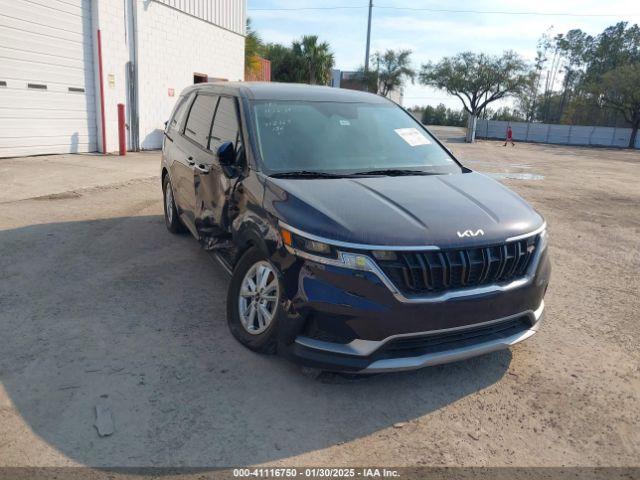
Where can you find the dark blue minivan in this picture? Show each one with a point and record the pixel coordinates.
(355, 240)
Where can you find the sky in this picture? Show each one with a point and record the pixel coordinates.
(432, 35)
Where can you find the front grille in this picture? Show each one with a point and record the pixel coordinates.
(434, 271)
(438, 342)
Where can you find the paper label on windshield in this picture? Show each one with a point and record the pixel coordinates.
(412, 136)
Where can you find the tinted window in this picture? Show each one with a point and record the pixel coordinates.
(337, 137)
(225, 125)
(178, 112)
(199, 122)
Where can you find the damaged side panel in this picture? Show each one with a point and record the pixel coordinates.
(212, 191)
(216, 184)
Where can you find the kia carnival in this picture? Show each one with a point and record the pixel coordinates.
(355, 240)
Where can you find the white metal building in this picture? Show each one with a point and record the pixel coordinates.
(61, 61)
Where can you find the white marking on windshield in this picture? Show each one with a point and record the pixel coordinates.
(412, 136)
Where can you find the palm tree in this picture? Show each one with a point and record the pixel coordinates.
(252, 48)
(392, 69)
(317, 59)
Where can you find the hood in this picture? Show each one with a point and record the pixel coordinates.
(403, 210)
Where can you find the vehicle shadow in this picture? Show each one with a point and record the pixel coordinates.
(119, 313)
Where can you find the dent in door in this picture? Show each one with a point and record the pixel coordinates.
(212, 191)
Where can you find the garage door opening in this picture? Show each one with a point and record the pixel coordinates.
(200, 78)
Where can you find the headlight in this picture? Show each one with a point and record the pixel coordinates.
(544, 239)
(303, 244)
(318, 247)
(324, 253)
(357, 261)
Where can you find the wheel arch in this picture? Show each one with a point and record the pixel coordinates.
(248, 237)
(263, 234)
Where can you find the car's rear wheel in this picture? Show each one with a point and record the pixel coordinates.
(171, 219)
(253, 302)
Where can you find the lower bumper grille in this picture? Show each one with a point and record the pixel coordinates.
(438, 342)
(422, 272)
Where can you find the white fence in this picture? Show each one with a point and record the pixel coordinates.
(559, 134)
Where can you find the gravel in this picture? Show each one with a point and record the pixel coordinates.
(99, 303)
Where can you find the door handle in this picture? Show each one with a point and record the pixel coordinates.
(203, 169)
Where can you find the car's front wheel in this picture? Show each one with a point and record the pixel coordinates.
(171, 220)
(253, 302)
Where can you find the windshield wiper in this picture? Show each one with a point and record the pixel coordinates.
(394, 172)
(305, 174)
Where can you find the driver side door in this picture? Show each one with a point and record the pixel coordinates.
(212, 186)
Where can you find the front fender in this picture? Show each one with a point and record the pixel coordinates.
(262, 233)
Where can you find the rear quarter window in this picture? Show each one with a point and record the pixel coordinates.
(178, 112)
(198, 126)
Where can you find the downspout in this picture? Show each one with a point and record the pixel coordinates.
(136, 103)
(132, 70)
(102, 120)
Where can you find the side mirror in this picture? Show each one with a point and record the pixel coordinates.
(227, 157)
(226, 154)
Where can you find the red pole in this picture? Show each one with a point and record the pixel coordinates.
(122, 140)
(104, 131)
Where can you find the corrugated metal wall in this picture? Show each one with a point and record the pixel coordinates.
(558, 134)
(229, 14)
(263, 75)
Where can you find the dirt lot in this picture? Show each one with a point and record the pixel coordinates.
(99, 305)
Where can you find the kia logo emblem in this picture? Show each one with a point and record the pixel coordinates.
(471, 233)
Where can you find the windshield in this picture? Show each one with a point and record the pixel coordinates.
(345, 138)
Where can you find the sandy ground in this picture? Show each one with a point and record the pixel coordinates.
(101, 306)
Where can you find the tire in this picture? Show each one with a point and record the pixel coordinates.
(171, 219)
(262, 339)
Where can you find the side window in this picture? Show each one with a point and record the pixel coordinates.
(178, 112)
(226, 127)
(199, 122)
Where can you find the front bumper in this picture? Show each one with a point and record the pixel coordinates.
(344, 320)
(363, 356)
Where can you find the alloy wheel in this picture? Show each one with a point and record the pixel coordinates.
(168, 202)
(258, 297)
